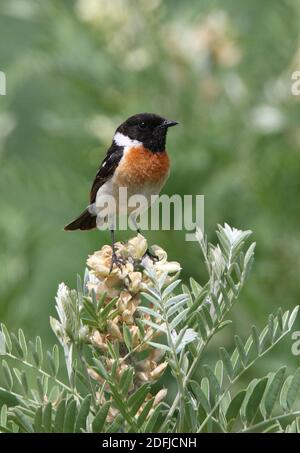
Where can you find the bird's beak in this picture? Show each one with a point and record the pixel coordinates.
(168, 123)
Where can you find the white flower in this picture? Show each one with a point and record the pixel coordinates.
(160, 396)
(63, 293)
(233, 234)
(137, 247)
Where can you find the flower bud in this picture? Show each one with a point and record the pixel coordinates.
(94, 375)
(114, 330)
(160, 396)
(158, 371)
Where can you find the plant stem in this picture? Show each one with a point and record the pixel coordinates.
(269, 420)
(235, 380)
(39, 370)
(84, 365)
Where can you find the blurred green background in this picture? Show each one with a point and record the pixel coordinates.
(76, 69)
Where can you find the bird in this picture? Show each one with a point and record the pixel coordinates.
(137, 160)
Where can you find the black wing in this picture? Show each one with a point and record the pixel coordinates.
(107, 169)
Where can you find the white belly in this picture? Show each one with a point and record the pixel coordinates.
(111, 199)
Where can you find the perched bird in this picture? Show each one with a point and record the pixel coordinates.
(137, 159)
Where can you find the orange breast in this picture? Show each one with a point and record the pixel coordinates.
(140, 167)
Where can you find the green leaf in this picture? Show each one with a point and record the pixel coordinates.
(154, 326)
(122, 406)
(152, 298)
(4, 429)
(40, 388)
(162, 346)
(208, 319)
(22, 421)
(235, 405)
(271, 327)
(79, 285)
(23, 344)
(213, 382)
(90, 309)
(3, 415)
(226, 298)
(141, 327)
(8, 342)
(216, 305)
(200, 396)
(196, 288)
(7, 375)
(150, 312)
(83, 414)
(105, 312)
(283, 393)
(126, 380)
(293, 317)
(256, 340)
(47, 418)
(60, 417)
(17, 345)
(255, 399)
(293, 389)
(127, 337)
(54, 394)
(227, 362)
(241, 350)
(222, 325)
(2, 344)
(69, 421)
(205, 387)
(197, 302)
(39, 349)
(145, 412)
(101, 369)
(55, 357)
(99, 420)
(175, 308)
(51, 364)
(8, 398)
(219, 372)
(249, 255)
(34, 353)
(24, 382)
(89, 322)
(116, 424)
(137, 399)
(190, 416)
(279, 319)
(175, 300)
(202, 326)
(153, 419)
(38, 420)
(170, 288)
(273, 391)
(179, 318)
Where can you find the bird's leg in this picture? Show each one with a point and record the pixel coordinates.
(151, 255)
(114, 258)
(148, 251)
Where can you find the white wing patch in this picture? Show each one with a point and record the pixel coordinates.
(123, 140)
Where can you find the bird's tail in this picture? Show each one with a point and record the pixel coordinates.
(86, 221)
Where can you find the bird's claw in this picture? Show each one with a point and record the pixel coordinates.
(151, 255)
(117, 261)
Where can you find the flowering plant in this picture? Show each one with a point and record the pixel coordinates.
(123, 328)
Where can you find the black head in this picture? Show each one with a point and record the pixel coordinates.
(148, 128)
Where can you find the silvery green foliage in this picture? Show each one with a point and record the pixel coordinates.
(36, 395)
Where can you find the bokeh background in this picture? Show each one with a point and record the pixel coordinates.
(76, 69)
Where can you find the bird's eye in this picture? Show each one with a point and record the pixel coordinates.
(142, 125)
